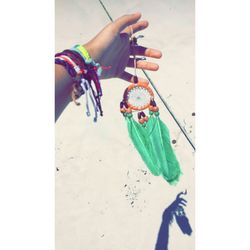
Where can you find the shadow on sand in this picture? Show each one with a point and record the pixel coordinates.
(174, 211)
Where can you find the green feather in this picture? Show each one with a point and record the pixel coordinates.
(138, 136)
(156, 144)
(173, 172)
(161, 149)
(153, 144)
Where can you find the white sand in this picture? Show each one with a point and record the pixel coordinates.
(96, 161)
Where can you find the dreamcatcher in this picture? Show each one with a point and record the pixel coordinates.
(149, 135)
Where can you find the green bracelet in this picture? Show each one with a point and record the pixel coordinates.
(83, 52)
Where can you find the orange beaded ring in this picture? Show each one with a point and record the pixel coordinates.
(138, 96)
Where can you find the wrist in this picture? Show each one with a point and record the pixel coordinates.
(91, 51)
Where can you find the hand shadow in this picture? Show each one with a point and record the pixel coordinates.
(175, 210)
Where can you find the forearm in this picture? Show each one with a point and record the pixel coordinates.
(163, 236)
(63, 87)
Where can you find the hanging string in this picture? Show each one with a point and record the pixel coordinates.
(158, 93)
(85, 88)
(93, 100)
(133, 43)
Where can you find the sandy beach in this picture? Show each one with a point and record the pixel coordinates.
(106, 199)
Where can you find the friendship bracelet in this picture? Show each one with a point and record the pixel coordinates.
(94, 69)
(83, 52)
(66, 65)
(77, 90)
(83, 69)
(76, 57)
(72, 63)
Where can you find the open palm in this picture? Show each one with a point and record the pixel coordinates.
(111, 47)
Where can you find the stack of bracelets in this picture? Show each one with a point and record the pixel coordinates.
(83, 70)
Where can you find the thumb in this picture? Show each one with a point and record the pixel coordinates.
(122, 22)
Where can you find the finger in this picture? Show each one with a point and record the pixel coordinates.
(182, 200)
(143, 51)
(183, 203)
(131, 78)
(136, 27)
(143, 65)
(179, 195)
(122, 22)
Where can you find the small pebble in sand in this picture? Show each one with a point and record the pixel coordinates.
(193, 114)
(173, 141)
(57, 169)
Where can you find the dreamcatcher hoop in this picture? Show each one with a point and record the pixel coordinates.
(138, 96)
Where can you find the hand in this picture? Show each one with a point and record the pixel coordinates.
(111, 47)
(175, 207)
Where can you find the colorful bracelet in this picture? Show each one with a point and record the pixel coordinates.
(81, 50)
(66, 65)
(67, 59)
(83, 69)
(74, 57)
